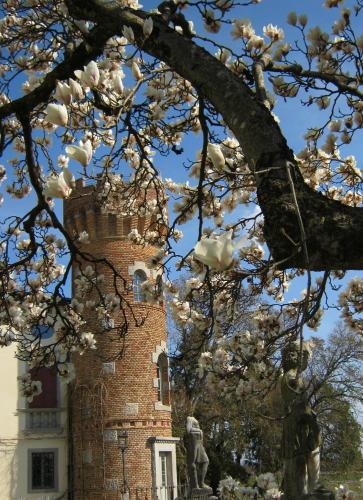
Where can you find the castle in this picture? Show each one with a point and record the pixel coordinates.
(108, 434)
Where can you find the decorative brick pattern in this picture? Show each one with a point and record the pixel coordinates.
(104, 400)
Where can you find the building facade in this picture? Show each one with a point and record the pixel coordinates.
(33, 436)
(107, 435)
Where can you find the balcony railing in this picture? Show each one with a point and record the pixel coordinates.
(42, 420)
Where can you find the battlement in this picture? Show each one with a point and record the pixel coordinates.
(85, 211)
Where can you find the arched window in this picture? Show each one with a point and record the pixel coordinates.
(138, 279)
(42, 332)
(112, 225)
(163, 379)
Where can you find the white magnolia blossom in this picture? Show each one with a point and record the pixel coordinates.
(231, 489)
(29, 388)
(82, 153)
(273, 32)
(217, 252)
(68, 177)
(216, 155)
(7, 335)
(67, 372)
(87, 341)
(128, 33)
(59, 186)
(56, 114)
(162, 108)
(90, 75)
(344, 493)
(255, 42)
(148, 27)
(83, 237)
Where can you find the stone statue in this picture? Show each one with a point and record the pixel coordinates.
(301, 434)
(197, 459)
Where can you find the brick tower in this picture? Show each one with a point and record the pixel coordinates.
(119, 408)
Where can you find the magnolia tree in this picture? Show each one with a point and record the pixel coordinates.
(103, 89)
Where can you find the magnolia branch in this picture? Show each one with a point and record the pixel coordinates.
(328, 224)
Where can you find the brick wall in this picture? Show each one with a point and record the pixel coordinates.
(114, 386)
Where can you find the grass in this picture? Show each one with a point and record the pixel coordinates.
(350, 478)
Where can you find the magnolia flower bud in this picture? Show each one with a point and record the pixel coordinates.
(63, 93)
(117, 83)
(128, 34)
(81, 153)
(148, 27)
(76, 90)
(292, 18)
(57, 114)
(136, 71)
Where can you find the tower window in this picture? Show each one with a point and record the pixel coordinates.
(141, 225)
(126, 226)
(138, 279)
(43, 469)
(43, 332)
(163, 379)
(112, 224)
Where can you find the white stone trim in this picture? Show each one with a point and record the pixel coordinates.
(158, 405)
(132, 409)
(165, 439)
(164, 444)
(110, 435)
(158, 350)
(87, 456)
(139, 266)
(112, 484)
(156, 383)
(108, 367)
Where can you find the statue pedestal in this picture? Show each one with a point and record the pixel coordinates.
(320, 493)
(202, 493)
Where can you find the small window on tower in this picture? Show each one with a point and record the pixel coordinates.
(163, 379)
(112, 225)
(138, 279)
(141, 225)
(126, 229)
